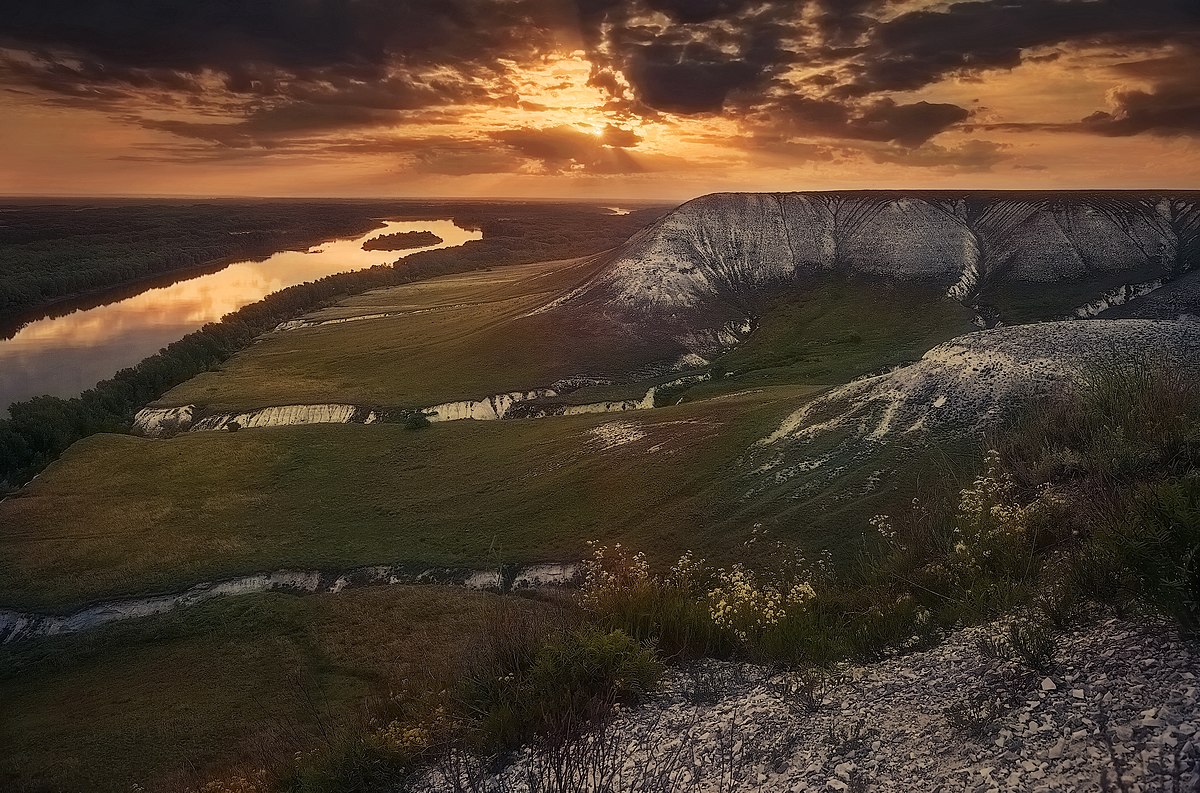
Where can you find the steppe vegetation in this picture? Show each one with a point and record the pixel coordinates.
(1083, 503)
(857, 547)
(1091, 501)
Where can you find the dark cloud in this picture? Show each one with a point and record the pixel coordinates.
(972, 156)
(240, 56)
(270, 76)
(220, 35)
(595, 12)
(843, 22)
(268, 127)
(692, 11)
(685, 79)
(564, 149)
(921, 47)
(907, 125)
(620, 138)
(706, 52)
(883, 120)
(1171, 106)
(1170, 109)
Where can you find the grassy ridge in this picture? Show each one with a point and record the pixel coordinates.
(168, 701)
(121, 515)
(462, 337)
(834, 330)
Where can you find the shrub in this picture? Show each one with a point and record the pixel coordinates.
(670, 612)
(1034, 645)
(570, 682)
(416, 420)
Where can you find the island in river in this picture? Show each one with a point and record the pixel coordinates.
(402, 241)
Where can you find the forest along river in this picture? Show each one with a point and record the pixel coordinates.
(63, 356)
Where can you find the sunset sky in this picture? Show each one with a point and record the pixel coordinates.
(603, 98)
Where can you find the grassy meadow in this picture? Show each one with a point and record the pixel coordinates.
(154, 515)
(453, 338)
(169, 701)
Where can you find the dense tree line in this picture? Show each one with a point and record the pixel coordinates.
(54, 251)
(40, 429)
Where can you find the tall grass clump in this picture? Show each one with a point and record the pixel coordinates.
(668, 612)
(544, 676)
(1123, 452)
(566, 685)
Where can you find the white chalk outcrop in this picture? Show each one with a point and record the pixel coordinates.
(154, 422)
(1118, 297)
(160, 422)
(969, 383)
(1175, 299)
(298, 324)
(1119, 712)
(163, 422)
(713, 254)
(288, 416)
(491, 408)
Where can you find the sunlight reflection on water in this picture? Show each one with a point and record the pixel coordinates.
(64, 355)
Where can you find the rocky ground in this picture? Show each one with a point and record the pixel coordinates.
(1117, 711)
(970, 383)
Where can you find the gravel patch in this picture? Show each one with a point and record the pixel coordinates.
(1118, 712)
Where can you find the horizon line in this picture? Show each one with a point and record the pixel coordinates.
(588, 200)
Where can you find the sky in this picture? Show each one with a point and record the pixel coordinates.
(627, 99)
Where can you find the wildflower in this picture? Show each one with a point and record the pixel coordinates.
(747, 606)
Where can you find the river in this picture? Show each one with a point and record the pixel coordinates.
(65, 355)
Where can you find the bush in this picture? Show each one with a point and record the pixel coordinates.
(1123, 454)
(670, 612)
(569, 683)
(416, 420)
(1028, 643)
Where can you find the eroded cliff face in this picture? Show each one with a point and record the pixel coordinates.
(159, 422)
(717, 255)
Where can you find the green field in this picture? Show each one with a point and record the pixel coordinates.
(168, 701)
(120, 515)
(458, 337)
(123, 515)
(829, 332)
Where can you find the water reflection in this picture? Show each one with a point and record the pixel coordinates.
(64, 355)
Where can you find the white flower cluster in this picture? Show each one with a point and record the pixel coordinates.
(689, 574)
(883, 525)
(610, 570)
(747, 606)
(989, 515)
